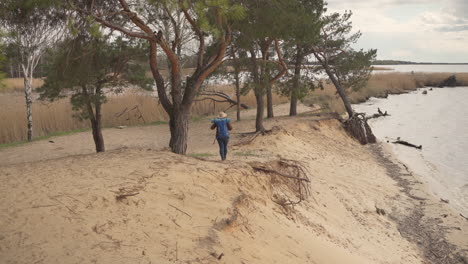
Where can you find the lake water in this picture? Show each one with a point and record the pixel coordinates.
(394, 68)
(424, 68)
(439, 122)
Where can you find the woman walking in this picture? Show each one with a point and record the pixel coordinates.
(222, 125)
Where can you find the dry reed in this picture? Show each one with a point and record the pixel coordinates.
(17, 85)
(141, 108)
(120, 110)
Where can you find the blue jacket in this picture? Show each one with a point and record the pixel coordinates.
(222, 127)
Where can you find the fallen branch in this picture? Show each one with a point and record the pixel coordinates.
(405, 143)
(211, 95)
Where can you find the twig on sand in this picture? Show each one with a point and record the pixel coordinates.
(466, 218)
(41, 206)
(66, 206)
(125, 192)
(125, 195)
(180, 210)
(174, 221)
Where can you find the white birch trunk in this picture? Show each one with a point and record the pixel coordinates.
(28, 86)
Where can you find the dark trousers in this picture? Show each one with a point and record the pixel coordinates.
(223, 142)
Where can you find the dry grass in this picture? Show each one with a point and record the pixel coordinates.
(380, 85)
(17, 85)
(120, 110)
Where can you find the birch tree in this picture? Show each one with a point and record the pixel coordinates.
(32, 27)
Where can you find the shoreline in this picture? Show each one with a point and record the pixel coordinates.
(436, 228)
(436, 189)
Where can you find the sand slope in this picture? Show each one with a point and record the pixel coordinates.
(188, 210)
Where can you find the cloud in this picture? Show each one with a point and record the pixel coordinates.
(449, 18)
(417, 30)
(455, 28)
(376, 3)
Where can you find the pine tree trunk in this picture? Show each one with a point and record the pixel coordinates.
(295, 87)
(178, 125)
(293, 105)
(97, 135)
(238, 105)
(95, 117)
(340, 91)
(97, 129)
(260, 112)
(269, 101)
(28, 95)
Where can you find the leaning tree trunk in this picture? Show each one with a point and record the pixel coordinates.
(356, 125)
(28, 79)
(178, 125)
(340, 91)
(295, 87)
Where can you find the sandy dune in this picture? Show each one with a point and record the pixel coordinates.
(140, 205)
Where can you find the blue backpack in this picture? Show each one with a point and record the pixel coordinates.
(221, 126)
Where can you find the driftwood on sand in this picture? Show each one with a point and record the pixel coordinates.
(405, 143)
(378, 114)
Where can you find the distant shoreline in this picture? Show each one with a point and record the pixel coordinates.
(393, 62)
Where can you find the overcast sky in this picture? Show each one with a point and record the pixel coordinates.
(414, 30)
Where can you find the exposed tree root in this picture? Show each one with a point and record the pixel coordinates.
(252, 136)
(358, 128)
(287, 177)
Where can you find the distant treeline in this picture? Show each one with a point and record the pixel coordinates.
(397, 62)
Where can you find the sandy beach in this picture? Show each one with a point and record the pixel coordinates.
(138, 203)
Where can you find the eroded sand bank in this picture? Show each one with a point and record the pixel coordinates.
(180, 209)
